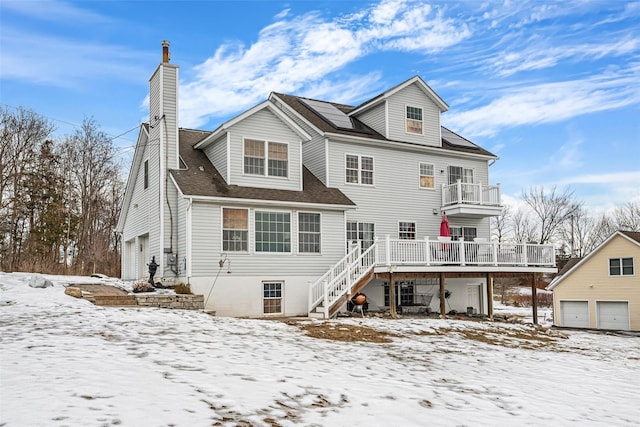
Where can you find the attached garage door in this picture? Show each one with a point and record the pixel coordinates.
(613, 315)
(574, 314)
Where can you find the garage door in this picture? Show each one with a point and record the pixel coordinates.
(574, 314)
(613, 315)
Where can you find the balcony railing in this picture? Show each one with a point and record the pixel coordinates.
(444, 252)
(470, 194)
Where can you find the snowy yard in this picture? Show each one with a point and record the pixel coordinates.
(66, 362)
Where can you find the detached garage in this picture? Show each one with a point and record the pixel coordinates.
(601, 290)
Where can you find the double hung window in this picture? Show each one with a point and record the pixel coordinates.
(308, 232)
(235, 230)
(426, 176)
(272, 297)
(414, 120)
(407, 230)
(359, 169)
(257, 153)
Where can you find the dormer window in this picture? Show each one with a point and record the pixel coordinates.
(257, 153)
(414, 120)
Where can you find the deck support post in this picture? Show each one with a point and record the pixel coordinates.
(392, 297)
(490, 295)
(534, 298)
(443, 303)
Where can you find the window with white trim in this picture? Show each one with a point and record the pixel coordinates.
(427, 179)
(309, 232)
(414, 120)
(621, 266)
(468, 233)
(359, 169)
(407, 230)
(272, 297)
(235, 230)
(275, 155)
(273, 231)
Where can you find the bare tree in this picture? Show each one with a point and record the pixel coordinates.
(551, 209)
(576, 232)
(501, 224)
(524, 229)
(627, 217)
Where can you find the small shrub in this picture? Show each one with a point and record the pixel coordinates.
(181, 288)
(142, 286)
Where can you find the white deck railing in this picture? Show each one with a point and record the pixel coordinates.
(441, 252)
(471, 194)
(341, 277)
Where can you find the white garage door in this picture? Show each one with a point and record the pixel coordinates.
(574, 314)
(613, 315)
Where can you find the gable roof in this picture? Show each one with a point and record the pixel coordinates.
(143, 136)
(263, 105)
(417, 80)
(321, 125)
(200, 178)
(570, 267)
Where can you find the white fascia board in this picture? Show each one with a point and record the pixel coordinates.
(143, 136)
(178, 189)
(292, 111)
(406, 146)
(421, 83)
(265, 104)
(281, 203)
(555, 282)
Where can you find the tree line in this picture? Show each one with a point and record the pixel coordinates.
(555, 216)
(59, 198)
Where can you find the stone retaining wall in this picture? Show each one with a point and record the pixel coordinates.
(185, 302)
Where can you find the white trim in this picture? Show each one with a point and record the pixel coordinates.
(282, 299)
(222, 249)
(420, 187)
(291, 233)
(266, 159)
(633, 266)
(326, 162)
(261, 202)
(415, 228)
(406, 131)
(556, 281)
(618, 301)
(189, 238)
(264, 104)
(294, 112)
(407, 145)
(386, 118)
(300, 166)
(298, 233)
(162, 176)
(360, 170)
(228, 178)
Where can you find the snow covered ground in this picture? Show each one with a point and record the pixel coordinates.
(66, 362)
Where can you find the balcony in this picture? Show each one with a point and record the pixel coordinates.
(471, 200)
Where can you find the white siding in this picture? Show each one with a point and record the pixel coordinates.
(375, 118)
(207, 245)
(314, 157)
(181, 250)
(396, 195)
(264, 125)
(217, 154)
(414, 97)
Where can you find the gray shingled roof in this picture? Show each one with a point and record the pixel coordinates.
(201, 178)
(362, 130)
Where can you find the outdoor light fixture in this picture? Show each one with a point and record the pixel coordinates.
(435, 211)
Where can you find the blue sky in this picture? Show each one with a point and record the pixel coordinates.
(552, 88)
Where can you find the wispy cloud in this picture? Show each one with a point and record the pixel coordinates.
(304, 54)
(54, 11)
(550, 102)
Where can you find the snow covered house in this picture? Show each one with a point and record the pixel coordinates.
(601, 290)
(296, 204)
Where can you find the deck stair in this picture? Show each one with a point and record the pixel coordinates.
(352, 273)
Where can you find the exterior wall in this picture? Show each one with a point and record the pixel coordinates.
(237, 295)
(396, 194)
(181, 249)
(591, 282)
(217, 154)
(264, 125)
(207, 245)
(375, 119)
(413, 96)
(314, 157)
